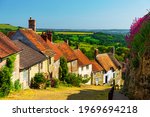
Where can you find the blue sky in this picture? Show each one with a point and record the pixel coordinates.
(73, 14)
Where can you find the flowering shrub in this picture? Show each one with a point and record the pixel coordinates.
(138, 36)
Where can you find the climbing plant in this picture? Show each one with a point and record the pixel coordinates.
(5, 76)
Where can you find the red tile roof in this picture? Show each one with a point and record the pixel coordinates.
(96, 67)
(82, 59)
(105, 61)
(66, 51)
(7, 47)
(9, 34)
(38, 41)
(55, 49)
(28, 56)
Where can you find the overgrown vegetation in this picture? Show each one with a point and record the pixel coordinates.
(5, 76)
(138, 38)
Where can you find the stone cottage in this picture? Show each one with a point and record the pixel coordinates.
(84, 65)
(36, 42)
(111, 66)
(8, 48)
(68, 53)
(31, 62)
(48, 39)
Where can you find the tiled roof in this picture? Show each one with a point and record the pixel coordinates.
(28, 56)
(67, 51)
(55, 49)
(38, 41)
(7, 47)
(82, 59)
(9, 34)
(105, 61)
(95, 66)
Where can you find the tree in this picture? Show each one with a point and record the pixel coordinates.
(63, 69)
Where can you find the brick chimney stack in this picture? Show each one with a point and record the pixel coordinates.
(112, 50)
(44, 36)
(32, 24)
(67, 41)
(78, 46)
(96, 52)
(49, 36)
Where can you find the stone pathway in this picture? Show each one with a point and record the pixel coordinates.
(119, 96)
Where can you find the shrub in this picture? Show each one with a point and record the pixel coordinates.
(39, 81)
(17, 85)
(85, 80)
(63, 69)
(55, 83)
(73, 80)
(5, 81)
(48, 83)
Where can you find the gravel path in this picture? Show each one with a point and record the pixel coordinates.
(119, 96)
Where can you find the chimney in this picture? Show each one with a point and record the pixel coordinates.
(49, 36)
(112, 50)
(96, 52)
(44, 36)
(32, 24)
(77, 46)
(67, 41)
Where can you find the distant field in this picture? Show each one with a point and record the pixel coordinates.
(74, 33)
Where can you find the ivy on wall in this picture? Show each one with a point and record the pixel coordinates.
(5, 76)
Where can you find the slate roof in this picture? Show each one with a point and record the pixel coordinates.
(82, 59)
(96, 67)
(28, 56)
(38, 41)
(105, 61)
(66, 51)
(7, 47)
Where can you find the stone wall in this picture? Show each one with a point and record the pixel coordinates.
(137, 82)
